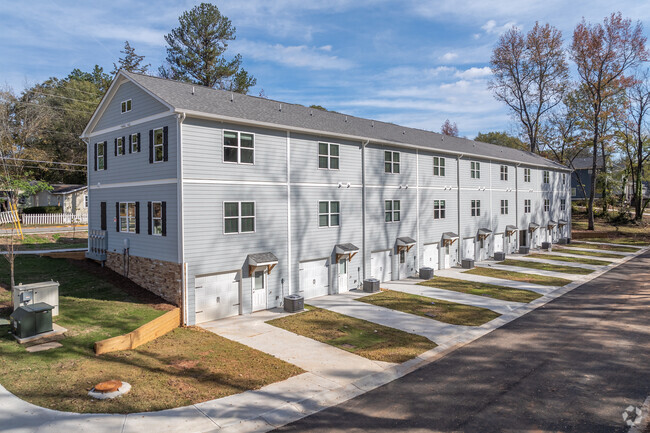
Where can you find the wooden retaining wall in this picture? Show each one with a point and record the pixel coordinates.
(144, 334)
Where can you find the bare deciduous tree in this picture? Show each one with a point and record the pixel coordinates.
(449, 128)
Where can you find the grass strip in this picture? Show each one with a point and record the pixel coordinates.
(546, 267)
(482, 289)
(519, 276)
(570, 259)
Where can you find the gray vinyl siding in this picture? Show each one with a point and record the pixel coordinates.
(427, 179)
(140, 244)
(203, 153)
(375, 174)
(304, 161)
(208, 250)
(499, 222)
(132, 167)
(142, 105)
(311, 242)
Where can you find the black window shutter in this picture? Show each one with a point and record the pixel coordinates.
(165, 143)
(102, 207)
(139, 143)
(137, 217)
(95, 157)
(130, 143)
(164, 218)
(117, 216)
(151, 146)
(115, 146)
(105, 155)
(148, 217)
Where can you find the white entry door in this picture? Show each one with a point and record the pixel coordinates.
(498, 243)
(343, 275)
(430, 256)
(216, 296)
(259, 281)
(380, 265)
(447, 252)
(469, 251)
(484, 248)
(314, 280)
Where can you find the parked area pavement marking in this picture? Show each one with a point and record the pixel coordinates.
(284, 402)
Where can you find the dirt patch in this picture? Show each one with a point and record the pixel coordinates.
(141, 294)
(184, 364)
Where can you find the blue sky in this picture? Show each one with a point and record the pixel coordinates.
(415, 63)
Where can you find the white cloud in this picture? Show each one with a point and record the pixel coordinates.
(474, 73)
(491, 27)
(327, 48)
(301, 56)
(448, 57)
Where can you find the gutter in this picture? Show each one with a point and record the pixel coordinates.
(363, 208)
(285, 128)
(179, 218)
(460, 234)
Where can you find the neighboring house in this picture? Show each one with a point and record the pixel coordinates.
(583, 174)
(73, 199)
(225, 203)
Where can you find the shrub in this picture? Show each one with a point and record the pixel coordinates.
(43, 209)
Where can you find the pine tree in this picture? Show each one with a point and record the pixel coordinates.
(131, 61)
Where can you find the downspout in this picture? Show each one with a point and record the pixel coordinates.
(179, 218)
(289, 238)
(460, 235)
(363, 207)
(517, 240)
(417, 210)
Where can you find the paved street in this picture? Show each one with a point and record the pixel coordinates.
(574, 364)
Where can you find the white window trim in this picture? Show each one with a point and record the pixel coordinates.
(135, 217)
(126, 104)
(392, 211)
(504, 207)
(86, 200)
(526, 175)
(442, 172)
(527, 206)
(162, 145)
(121, 140)
(504, 173)
(135, 134)
(153, 219)
(392, 162)
(475, 170)
(442, 209)
(475, 208)
(563, 204)
(239, 217)
(328, 156)
(102, 155)
(546, 177)
(223, 146)
(547, 205)
(329, 214)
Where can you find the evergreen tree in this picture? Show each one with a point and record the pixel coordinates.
(131, 61)
(196, 48)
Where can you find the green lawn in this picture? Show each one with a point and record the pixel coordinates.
(435, 309)
(570, 259)
(363, 338)
(482, 289)
(183, 367)
(587, 253)
(578, 244)
(519, 276)
(546, 267)
(48, 241)
(625, 241)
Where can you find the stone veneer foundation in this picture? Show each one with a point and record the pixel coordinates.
(164, 279)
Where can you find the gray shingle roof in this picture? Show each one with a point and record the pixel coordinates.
(405, 241)
(262, 258)
(189, 97)
(346, 248)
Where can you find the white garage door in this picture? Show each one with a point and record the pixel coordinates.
(314, 279)
(430, 256)
(498, 243)
(216, 296)
(380, 265)
(468, 248)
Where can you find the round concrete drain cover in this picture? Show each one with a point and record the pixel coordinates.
(109, 389)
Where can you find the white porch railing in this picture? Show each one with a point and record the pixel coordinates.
(7, 217)
(54, 218)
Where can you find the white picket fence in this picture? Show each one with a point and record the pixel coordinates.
(53, 218)
(7, 217)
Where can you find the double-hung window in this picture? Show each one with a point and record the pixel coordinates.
(475, 170)
(504, 172)
(438, 166)
(86, 201)
(527, 206)
(391, 162)
(119, 146)
(135, 143)
(547, 205)
(563, 178)
(526, 174)
(239, 217)
(476, 207)
(238, 147)
(329, 214)
(127, 217)
(439, 209)
(126, 106)
(328, 156)
(392, 211)
(158, 145)
(562, 204)
(156, 218)
(546, 176)
(101, 156)
(504, 207)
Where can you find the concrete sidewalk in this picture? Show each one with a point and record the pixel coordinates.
(496, 305)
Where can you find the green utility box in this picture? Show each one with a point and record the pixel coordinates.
(31, 320)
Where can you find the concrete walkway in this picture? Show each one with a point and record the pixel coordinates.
(523, 270)
(496, 305)
(461, 275)
(328, 362)
(345, 303)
